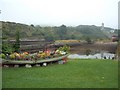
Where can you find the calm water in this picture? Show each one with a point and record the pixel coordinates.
(95, 56)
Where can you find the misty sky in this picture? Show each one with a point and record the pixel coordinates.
(58, 12)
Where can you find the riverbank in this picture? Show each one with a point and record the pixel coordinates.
(74, 74)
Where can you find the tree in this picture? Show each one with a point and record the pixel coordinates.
(88, 40)
(32, 25)
(17, 42)
(7, 48)
(48, 37)
(73, 36)
(62, 31)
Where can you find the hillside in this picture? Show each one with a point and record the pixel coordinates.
(53, 33)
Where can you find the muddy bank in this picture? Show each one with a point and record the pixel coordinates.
(94, 48)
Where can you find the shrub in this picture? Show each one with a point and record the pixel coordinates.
(88, 51)
(2, 55)
(64, 48)
(7, 48)
(12, 56)
(27, 57)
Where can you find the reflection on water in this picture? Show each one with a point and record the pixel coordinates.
(95, 56)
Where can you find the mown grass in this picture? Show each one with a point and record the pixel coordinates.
(74, 74)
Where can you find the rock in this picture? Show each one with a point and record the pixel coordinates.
(37, 65)
(60, 62)
(16, 65)
(45, 64)
(28, 66)
(6, 66)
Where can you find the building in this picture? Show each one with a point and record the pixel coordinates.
(102, 27)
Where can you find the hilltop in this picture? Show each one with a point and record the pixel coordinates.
(50, 33)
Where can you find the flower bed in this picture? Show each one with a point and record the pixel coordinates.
(47, 54)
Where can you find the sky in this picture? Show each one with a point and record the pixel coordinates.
(58, 12)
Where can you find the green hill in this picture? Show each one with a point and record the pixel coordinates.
(53, 33)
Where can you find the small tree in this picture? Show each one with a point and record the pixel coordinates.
(88, 40)
(17, 42)
(88, 51)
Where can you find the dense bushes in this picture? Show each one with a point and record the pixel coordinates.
(7, 48)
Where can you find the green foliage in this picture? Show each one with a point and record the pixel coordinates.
(17, 43)
(49, 37)
(62, 32)
(2, 55)
(12, 56)
(65, 48)
(7, 48)
(88, 40)
(88, 51)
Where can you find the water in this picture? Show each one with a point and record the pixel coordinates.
(95, 56)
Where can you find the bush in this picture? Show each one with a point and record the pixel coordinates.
(2, 56)
(64, 48)
(88, 40)
(7, 48)
(88, 51)
(12, 56)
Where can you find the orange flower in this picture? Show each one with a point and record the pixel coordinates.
(26, 53)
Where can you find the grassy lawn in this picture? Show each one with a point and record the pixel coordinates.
(74, 74)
